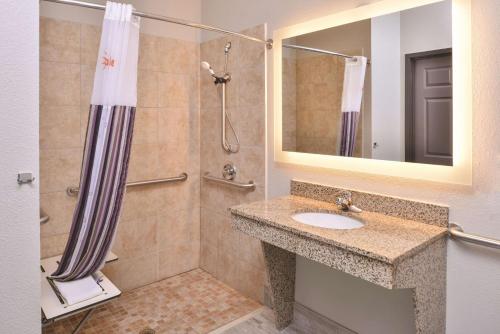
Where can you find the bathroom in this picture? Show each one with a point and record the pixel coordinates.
(188, 263)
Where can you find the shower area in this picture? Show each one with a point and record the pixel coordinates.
(181, 267)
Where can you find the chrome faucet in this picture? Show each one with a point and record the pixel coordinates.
(344, 202)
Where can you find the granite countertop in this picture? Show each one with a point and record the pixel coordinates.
(385, 238)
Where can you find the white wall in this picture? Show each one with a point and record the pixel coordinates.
(473, 299)
(386, 87)
(189, 10)
(426, 28)
(19, 216)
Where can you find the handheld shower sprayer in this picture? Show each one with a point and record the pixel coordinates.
(222, 80)
(206, 66)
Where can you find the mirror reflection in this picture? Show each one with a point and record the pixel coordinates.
(379, 88)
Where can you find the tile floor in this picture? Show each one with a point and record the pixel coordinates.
(193, 302)
(259, 322)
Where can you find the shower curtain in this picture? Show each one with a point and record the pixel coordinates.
(107, 146)
(352, 94)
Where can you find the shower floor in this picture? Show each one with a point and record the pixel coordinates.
(193, 302)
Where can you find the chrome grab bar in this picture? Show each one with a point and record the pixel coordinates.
(248, 186)
(456, 232)
(73, 191)
(44, 218)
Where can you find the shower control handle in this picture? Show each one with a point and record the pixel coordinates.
(229, 171)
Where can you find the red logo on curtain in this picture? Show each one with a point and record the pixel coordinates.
(107, 61)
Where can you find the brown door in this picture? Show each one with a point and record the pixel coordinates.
(430, 108)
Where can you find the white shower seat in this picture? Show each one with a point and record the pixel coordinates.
(54, 308)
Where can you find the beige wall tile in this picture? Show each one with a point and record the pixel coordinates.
(251, 281)
(86, 85)
(177, 91)
(252, 253)
(211, 51)
(208, 258)
(59, 127)
(252, 54)
(136, 237)
(210, 227)
(251, 164)
(148, 52)
(59, 41)
(178, 228)
(251, 88)
(250, 124)
(147, 89)
(229, 238)
(59, 207)
(59, 169)
(145, 126)
(59, 84)
(174, 125)
(176, 56)
(227, 270)
(132, 273)
(177, 259)
(209, 93)
(91, 36)
(141, 202)
(179, 196)
(52, 245)
(144, 162)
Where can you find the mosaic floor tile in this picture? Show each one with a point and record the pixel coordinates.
(193, 302)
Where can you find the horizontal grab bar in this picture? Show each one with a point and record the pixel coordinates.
(248, 186)
(73, 191)
(44, 219)
(456, 232)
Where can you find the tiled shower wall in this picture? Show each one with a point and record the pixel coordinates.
(159, 231)
(289, 98)
(312, 89)
(232, 257)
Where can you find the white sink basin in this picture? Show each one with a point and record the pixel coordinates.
(327, 220)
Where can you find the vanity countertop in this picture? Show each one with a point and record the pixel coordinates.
(385, 238)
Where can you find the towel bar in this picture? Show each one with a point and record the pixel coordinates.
(73, 191)
(456, 232)
(248, 186)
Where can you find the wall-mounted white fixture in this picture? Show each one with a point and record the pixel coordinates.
(25, 177)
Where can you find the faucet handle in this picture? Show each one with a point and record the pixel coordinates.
(344, 200)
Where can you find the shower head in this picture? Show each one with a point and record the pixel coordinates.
(205, 65)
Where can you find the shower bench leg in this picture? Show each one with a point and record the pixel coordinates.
(84, 320)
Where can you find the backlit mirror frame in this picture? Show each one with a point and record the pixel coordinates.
(461, 171)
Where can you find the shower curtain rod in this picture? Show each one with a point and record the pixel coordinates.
(299, 47)
(332, 53)
(268, 43)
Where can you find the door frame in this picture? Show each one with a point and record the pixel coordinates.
(410, 60)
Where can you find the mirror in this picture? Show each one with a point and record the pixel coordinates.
(378, 88)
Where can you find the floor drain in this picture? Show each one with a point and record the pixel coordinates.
(147, 331)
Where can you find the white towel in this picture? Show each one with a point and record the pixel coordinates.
(354, 80)
(79, 290)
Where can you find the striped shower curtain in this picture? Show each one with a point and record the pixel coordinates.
(352, 94)
(107, 146)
